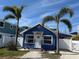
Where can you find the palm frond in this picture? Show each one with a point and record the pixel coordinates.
(64, 11)
(67, 22)
(7, 8)
(18, 11)
(22, 7)
(47, 18)
(10, 16)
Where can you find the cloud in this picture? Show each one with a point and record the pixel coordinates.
(40, 6)
(48, 13)
(46, 3)
(25, 21)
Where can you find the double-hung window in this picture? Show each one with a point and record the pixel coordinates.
(47, 39)
(29, 39)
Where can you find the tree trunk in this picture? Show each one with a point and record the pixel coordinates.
(17, 28)
(57, 47)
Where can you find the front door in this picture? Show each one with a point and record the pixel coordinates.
(38, 38)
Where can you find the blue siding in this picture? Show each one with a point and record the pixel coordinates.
(45, 32)
(28, 45)
(48, 47)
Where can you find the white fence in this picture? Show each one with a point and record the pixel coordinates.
(20, 41)
(75, 45)
(65, 44)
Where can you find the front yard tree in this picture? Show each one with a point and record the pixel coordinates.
(58, 19)
(15, 14)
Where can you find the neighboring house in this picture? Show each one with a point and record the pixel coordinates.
(74, 33)
(40, 37)
(7, 33)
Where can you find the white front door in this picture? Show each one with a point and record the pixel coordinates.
(38, 38)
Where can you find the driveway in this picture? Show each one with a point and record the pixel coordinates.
(67, 54)
(37, 55)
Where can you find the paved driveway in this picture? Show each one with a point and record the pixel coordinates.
(68, 55)
(37, 55)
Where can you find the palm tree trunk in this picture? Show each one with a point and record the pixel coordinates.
(17, 28)
(57, 47)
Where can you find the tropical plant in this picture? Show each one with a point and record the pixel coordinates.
(11, 46)
(58, 19)
(15, 14)
(75, 37)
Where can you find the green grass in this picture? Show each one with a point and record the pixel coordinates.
(5, 52)
(51, 56)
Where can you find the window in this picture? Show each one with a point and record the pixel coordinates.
(47, 39)
(1, 24)
(0, 36)
(11, 27)
(29, 39)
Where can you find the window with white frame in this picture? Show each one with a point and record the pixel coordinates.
(29, 39)
(1, 24)
(47, 39)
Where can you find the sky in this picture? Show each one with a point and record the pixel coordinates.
(36, 10)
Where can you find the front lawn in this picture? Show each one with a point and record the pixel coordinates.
(4, 52)
(50, 55)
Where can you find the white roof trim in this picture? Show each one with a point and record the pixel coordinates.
(27, 29)
(33, 27)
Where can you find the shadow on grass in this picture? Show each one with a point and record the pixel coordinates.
(51, 55)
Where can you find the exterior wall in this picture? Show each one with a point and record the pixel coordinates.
(65, 44)
(43, 46)
(5, 39)
(75, 45)
(20, 41)
(1, 40)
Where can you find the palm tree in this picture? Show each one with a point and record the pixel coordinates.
(15, 14)
(58, 19)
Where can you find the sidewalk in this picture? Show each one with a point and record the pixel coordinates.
(32, 55)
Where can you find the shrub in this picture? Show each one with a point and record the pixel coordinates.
(11, 46)
(75, 37)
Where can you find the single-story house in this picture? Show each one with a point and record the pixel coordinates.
(40, 37)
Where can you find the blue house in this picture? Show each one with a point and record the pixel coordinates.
(39, 37)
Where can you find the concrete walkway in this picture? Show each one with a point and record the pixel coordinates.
(33, 55)
(37, 55)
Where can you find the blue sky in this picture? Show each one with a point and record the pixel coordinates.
(35, 10)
